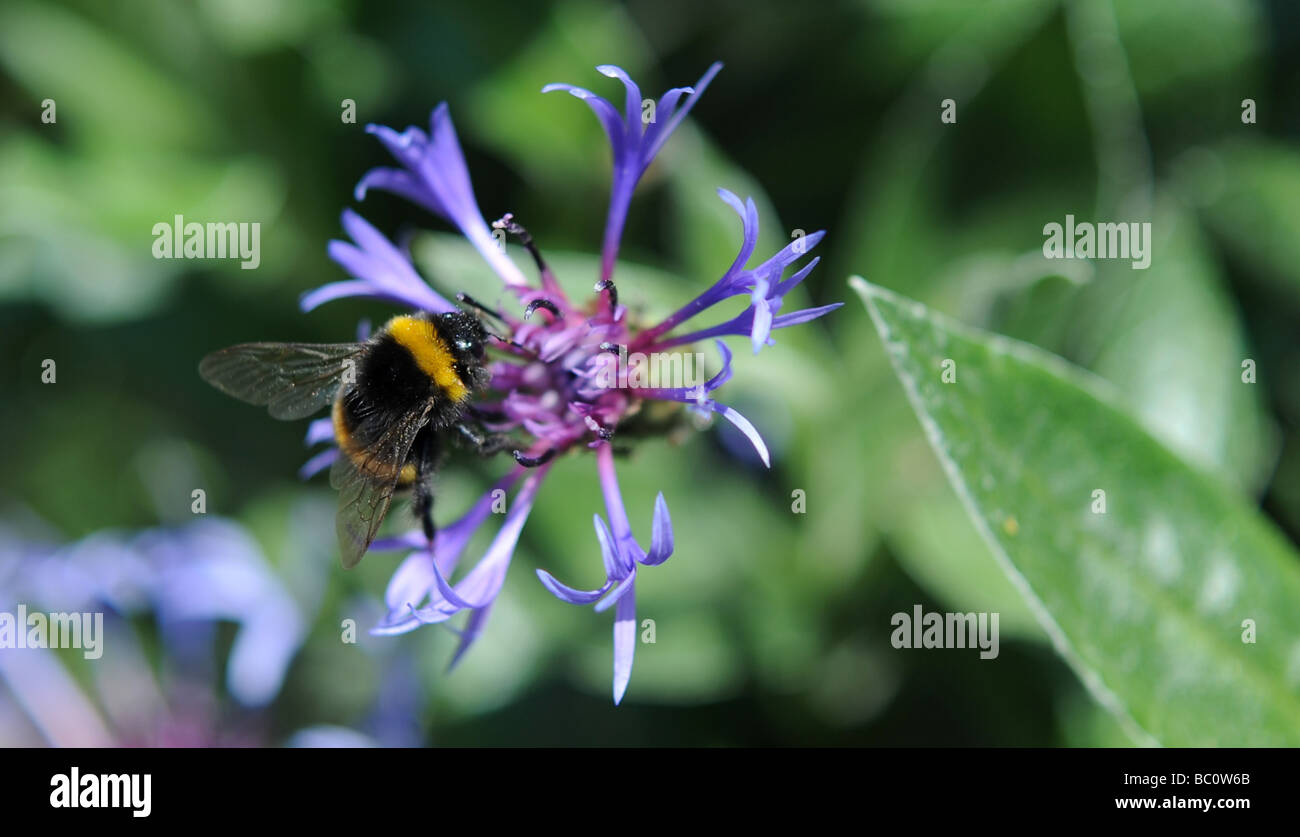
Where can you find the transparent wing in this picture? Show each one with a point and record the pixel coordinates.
(292, 380)
(366, 482)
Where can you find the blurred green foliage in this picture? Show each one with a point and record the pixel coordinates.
(772, 627)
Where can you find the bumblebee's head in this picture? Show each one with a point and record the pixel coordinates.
(466, 337)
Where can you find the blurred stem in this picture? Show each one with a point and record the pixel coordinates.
(1124, 179)
(1125, 188)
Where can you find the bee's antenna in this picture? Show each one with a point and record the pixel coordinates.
(470, 302)
(513, 344)
(467, 300)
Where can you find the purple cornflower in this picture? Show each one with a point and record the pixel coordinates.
(570, 379)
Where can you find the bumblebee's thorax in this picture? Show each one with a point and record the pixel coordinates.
(430, 352)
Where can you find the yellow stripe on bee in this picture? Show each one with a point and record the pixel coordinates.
(342, 435)
(431, 353)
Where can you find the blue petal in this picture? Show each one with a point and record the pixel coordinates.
(624, 587)
(743, 425)
(762, 328)
(473, 627)
(632, 107)
(608, 551)
(783, 288)
(748, 212)
(410, 583)
(605, 112)
(320, 430)
(803, 316)
(661, 537)
(656, 140)
(332, 291)
(318, 463)
(624, 643)
(565, 593)
(388, 179)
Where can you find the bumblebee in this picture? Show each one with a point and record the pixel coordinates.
(393, 398)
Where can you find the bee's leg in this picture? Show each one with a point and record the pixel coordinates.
(487, 444)
(422, 501)
(487, 415)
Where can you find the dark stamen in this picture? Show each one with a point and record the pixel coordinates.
(542, 303)
(508, 223)
(533, 461)
(608, 285)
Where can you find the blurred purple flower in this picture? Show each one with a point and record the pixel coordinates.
(560, 387)
(189, 578)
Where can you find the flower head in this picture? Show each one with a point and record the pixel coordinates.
(573, 372)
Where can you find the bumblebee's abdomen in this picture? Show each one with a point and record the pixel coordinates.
(351, 432)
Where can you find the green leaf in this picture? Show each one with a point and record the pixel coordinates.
(1146, 601)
